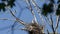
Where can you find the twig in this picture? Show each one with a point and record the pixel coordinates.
(7, 19)
(38, 10)
(47, 19)
(47, 31)
(52, 24)
(30, 7)
(57, 23)
(20, 21)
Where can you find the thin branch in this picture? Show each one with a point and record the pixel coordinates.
(30, 7)
(52, 24)
(47, 31)
(57, 23)
(20, 21)
(7, 19)
(47, 19)
(38, 10)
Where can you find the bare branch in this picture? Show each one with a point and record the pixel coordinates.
(57, 23)
(30, 7)
(7, 19)
(38, 10)
(52, 24)
(47, 31)
(24, 29)
(20, 21)
(48, 21)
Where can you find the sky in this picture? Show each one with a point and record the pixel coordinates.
(22, 13)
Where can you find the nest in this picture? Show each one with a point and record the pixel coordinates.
(34, 28)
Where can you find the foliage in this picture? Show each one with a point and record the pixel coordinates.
(58, 9)
(48, 8)
(9, 3)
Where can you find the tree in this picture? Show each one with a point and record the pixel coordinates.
(47, 11)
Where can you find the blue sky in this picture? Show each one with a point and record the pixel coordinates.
(23, 14)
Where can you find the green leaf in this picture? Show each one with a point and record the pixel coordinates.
(59, 6)
(2, 6)
(58, 12)
(11, 3)
(44, 9)
(47, 9)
